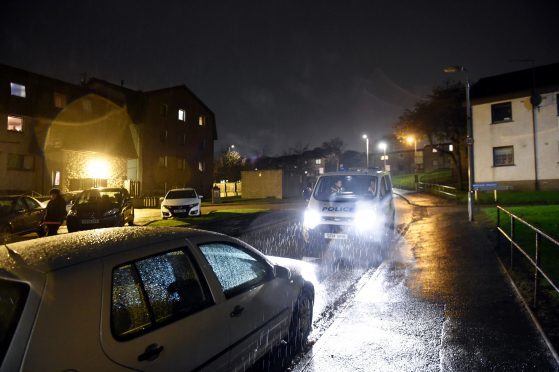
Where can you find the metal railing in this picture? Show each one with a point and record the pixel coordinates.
(437, 189)
(536, 260)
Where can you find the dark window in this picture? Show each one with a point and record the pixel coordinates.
(154, 291)
(501, 112)
(163, 110)
(59, 100)
(21, 162)
(12, 300)
(164, 136)
(503, 156)
(236, 270)
(383, 187)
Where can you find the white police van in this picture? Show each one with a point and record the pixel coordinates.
(350, 207)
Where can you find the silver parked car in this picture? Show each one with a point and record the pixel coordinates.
(147, 299)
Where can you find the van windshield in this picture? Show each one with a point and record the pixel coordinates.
(346, 188)
(12, 300)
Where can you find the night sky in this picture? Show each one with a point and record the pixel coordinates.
(282, 74)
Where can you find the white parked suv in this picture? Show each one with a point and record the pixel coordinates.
(147, 298)
(351, 207)
(181, 203)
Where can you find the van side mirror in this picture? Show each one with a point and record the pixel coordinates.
(282, 272)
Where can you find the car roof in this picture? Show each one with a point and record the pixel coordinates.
(183, 189)
(60, 251)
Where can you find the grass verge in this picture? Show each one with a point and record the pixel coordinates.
(207, 218)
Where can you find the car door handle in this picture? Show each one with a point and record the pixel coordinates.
(152, 352)
(237, 311)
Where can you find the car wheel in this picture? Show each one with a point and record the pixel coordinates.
(42, 230)
(131, 222)
(5, 235)
(301, 320)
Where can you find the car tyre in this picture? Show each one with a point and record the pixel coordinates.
(301, 320)
(131, 222)
(42, 230)
(5, 235)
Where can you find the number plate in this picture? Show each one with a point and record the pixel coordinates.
(89, 222)
(335, 236)
(180, 210)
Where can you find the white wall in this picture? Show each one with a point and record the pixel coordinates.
(517, 133)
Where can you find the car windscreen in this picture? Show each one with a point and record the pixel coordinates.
(12, 301)
(109, 197)
(181, 194)
(5, 206)
(346, 188)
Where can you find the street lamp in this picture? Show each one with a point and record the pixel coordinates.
(366, 149)
(469, 138)
(410, 140)
(383, 147)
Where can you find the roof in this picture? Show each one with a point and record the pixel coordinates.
(60, 251)
(516, 84)
(354, 173)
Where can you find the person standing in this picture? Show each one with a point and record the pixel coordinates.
(56, 212)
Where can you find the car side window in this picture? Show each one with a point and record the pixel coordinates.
(20, 205)
(153, 291)
(129, 311)
(172, 285)
(32, 204)
(236, 269)
(383, 190)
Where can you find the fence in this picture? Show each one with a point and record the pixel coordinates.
(437, 189)
(534, 258)
(227, 189)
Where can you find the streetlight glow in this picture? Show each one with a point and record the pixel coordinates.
(382, 146)
(410, 139)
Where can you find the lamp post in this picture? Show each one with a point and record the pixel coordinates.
(366, 149)
(469, 139)
(383, 147)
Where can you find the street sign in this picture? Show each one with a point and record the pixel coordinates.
(490, 186)
(469, 141)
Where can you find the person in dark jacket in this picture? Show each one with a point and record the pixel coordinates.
(56, 212)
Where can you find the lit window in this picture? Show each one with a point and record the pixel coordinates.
(450, 147)
(434, 149)
(21, 162)
(59, 100)
(15, 124)
(56, 179)
(163, 162)
(182, 115)
(318, 161)
(501, 112)
(503, 156)
(201, 120)
(17, 90)
(201, 166)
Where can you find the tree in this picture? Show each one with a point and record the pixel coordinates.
(440, 118)
(333, 151)
(228, 165)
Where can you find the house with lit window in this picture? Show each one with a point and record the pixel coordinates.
(57, 134)
(516, 143)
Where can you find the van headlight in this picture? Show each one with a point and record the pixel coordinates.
(311, 219)
(367, 220)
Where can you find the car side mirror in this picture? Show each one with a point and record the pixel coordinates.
(161, 199)
(282, 272)
(200, 196)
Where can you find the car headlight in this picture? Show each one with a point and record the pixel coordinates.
(111, 212)
(311, 219)
(367, 220)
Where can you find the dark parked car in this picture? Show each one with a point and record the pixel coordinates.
(20, 215)
(100, 207)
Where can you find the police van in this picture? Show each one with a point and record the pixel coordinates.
(350, 207)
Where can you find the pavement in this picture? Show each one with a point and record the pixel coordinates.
(440, 302)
